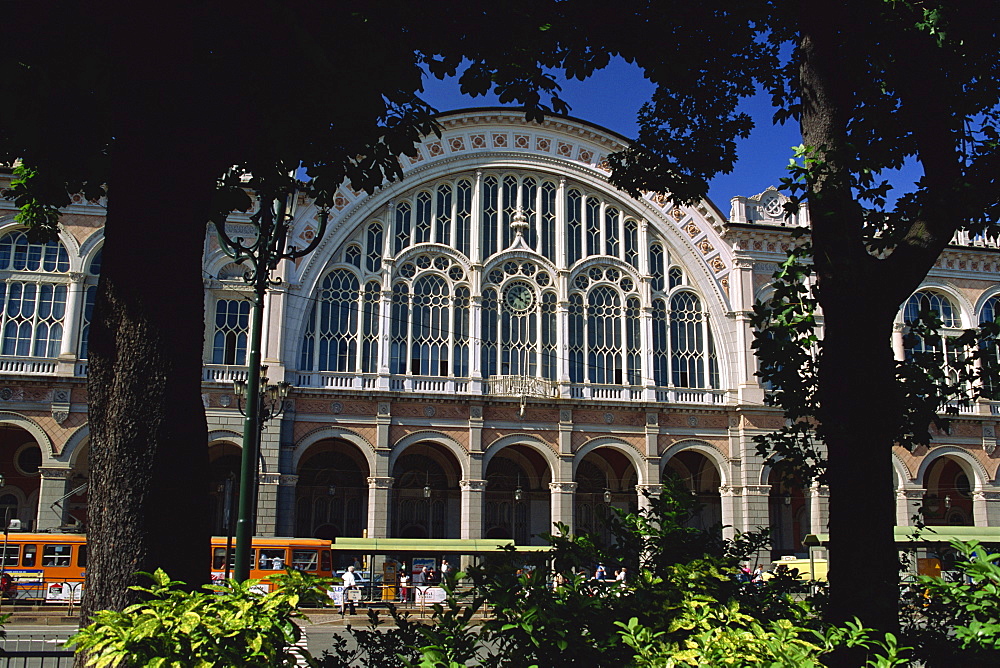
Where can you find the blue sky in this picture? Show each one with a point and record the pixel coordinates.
(612, 97)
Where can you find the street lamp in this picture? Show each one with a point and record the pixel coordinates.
(261, 255)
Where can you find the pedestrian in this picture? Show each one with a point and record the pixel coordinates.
(404, 586)
(600, 573)
(621, 575)
(445, 568)
(350, 582)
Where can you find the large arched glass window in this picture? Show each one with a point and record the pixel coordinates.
(232, 326)
(941, 348)
(429, 347)
(518, 321)
(31, 322)
(604, 336)
(18, 254)
(687, 338)
(331, 338)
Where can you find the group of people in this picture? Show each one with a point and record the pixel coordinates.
(408, 583)
(601, 574)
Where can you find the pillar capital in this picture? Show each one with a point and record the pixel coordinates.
(472, 485)
(380, 482)
(562, 487)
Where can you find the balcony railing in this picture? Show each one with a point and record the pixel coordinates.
(29, 366)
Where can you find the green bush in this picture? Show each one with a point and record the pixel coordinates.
(232, 624)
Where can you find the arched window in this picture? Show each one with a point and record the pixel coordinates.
(463, 217)
(443, 215)
(661, 344)
(508, 207)
(429, 347)
(990, 313)
(491, 213)
(89, 298)
(577, 338)
(548, 221)
(373, 259)
(331, 339)
(687, 338)
(656, 266)
(529, 204)
(490, 330)
(550, 358)
(402, 236)
(574, 226)
(683, 348)
(518, 330)
(232, 326)
(18, 254)
(399, 327)
(632, 242)
(422, 218)
(32, 318)
(926, 301)
(612, 229)
(633, 342)
(942, 349)
(369, 334)
(593, 226)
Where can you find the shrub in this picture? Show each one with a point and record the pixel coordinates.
(232, 624)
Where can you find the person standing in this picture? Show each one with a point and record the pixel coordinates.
(350, 582)
(404, 586)
(445, 569)
(601, 573)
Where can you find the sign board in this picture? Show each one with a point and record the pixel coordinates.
(430, 595)
(64, 592)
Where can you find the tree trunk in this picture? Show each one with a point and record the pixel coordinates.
(148, 433)
(148, 454)
(859, 405)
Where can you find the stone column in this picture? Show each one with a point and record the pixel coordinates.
(267, 504)
(562, 496)
(73, 314)
(988, 503)
(285, 524)
(908, 502)
(646, 493)
(379, 496)
(756, 512)
(819, 508)
(472, 508)
(52, 490)
(731, 500)
(898, 349)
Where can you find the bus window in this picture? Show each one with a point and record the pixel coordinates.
(272, 559)
(218, 558)
(81, 557)
(30, 553)
(11, 555)
(55, 555)
(327, 560)
(304, 560)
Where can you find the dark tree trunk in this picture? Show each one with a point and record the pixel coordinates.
(148, 454)
(148, 437)
(858, 404)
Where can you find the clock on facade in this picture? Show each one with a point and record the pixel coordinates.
(519, 298)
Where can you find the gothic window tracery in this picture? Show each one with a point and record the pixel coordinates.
(941, 348)
(518, 314)
(31, 322)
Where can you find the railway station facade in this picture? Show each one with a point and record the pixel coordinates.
(497, 342)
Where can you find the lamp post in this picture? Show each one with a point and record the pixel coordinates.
(261, 255)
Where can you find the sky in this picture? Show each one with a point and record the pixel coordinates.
(611, 98)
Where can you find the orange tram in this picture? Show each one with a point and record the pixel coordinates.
(43, 567)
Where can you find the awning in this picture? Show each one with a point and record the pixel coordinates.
(937, 534)
(430, 545)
